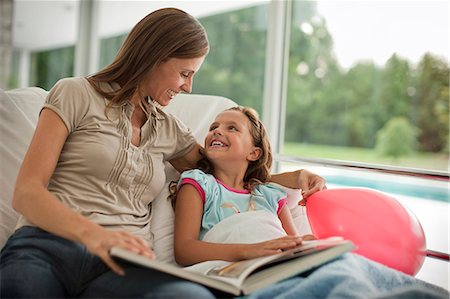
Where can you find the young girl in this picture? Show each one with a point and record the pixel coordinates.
(228, 185)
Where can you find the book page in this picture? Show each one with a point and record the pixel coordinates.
(208, 268)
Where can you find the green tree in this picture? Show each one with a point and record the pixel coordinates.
(234, 67)
(312, 68)
(360, 103)
(394, 84)
(432, 103)
(397, 138)
(48, 67)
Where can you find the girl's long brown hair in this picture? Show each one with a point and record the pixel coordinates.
(258, 171)
(163, 34)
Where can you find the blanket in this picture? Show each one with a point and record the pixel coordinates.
(352, 276)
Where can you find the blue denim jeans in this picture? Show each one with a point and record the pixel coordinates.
(37, 264)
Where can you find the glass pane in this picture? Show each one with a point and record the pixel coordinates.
(44, 36)
(369, 82)
(109, 48)
(13, 81)
(47, 67)
(235, 65)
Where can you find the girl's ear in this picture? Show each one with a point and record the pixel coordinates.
(255, 154)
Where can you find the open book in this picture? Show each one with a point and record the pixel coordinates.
(247, 276)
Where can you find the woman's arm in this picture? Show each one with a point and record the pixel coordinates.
(33, 200)
(188, 161)
(302, 179)
(190, 250)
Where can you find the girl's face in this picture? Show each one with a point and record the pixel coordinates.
(229, 139)
(170, 78)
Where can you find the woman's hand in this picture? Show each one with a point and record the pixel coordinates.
(100, 242)
(310, 183)
(270, 247)
(302, 179)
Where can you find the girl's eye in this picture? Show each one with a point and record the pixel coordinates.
(233, 128)
(185, 76)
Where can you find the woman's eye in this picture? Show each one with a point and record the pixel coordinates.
(232, 128)
(212, 128)
(185, 76)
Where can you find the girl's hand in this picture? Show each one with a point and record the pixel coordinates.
(101, 241)
(271, 247)
(309, 237)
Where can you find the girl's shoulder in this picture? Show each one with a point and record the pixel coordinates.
(270, 188)
(197, 175)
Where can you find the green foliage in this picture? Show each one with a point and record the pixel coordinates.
(234, 68)
(109, 47)
(397, 138)
(432, 103)
(48, 67)
(348, 107)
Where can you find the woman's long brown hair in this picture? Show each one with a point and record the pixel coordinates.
(162, 34)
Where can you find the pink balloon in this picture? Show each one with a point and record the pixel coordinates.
(382, 228)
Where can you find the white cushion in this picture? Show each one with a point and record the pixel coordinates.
(19, 111)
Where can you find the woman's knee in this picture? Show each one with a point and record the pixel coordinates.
(29, 281)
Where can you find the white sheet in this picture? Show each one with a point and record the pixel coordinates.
(247, 227)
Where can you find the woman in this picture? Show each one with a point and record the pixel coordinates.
(96, 162)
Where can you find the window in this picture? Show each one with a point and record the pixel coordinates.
(369, 82)
(368, 87)
(44, 36)
(47, 67)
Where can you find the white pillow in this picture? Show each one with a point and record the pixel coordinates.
(19, 111)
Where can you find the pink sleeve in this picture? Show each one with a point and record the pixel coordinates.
(196, 185)
(281, 203)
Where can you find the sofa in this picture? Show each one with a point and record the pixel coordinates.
(19, 112)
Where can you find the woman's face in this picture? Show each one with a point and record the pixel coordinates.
(170, 78)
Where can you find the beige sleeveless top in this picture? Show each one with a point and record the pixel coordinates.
(100, 173)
